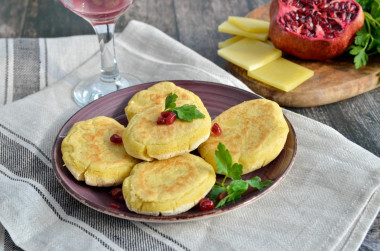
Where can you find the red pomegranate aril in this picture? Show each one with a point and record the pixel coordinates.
(117, 139)
(206, 204)
(161, 120)
(165, 113)
(216, 129)
(116, 192)
(221, 196)
(348, 17)
(337, 6)
(332, 14)
(171, 118)
(114, 206)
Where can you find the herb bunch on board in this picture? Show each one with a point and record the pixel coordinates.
(367, 40)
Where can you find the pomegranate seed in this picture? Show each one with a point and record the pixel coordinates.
(165, 113)
(281, 20)
(206, 204)
(115, 193)
(161, 120)
(114, 206)
(216, 129)
(115, 138)
(348, 18)
(221, 196)
(333, 14)
(343, 5)
(171, 118)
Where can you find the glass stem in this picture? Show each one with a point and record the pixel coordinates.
(109, 70)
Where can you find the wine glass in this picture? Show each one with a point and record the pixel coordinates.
(102, 15)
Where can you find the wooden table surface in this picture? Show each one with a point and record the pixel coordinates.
(194, 23)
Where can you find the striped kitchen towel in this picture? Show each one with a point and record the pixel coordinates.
(29, 65)
(327, 201)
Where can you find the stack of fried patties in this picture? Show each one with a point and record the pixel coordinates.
(151, 157)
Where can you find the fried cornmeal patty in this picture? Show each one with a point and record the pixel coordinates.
(254, 132)
(90, 156)
(168, 187)
(144, 139)
(156, 95)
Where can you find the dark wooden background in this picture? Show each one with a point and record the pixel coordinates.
(194, 23)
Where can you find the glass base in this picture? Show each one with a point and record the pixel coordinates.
(92, 88)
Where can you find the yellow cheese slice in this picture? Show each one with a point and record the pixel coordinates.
(249, 54)
(229, 28)
(249, 24)
(269, 42)
(282, 74)
(229, 41)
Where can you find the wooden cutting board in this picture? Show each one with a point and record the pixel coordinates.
(333, 80)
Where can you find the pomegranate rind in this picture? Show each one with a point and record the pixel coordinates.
(303, 47)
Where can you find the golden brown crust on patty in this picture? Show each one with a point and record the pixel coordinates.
(168, 187)
(254, 132)
(146, 140)
(90, 156)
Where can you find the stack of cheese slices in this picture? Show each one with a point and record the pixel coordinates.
(251, 50)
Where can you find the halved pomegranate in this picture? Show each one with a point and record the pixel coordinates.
(314, 29)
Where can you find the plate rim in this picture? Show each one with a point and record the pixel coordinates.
(174, 218)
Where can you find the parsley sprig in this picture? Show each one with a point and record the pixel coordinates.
(186, 112)
(237, 186)
(367, 40)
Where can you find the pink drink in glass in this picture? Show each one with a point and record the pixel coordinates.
(99, 11)
(102, 15)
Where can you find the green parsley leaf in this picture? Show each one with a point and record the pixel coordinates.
(355, 50)
(375, 9)
(223, 159)
(235, 189)
(368, 37)
(223, 201)
(362, 37)
(256, 182)
(360, 59)
(186, 112)
(235, 171)
(170, 101)
(237, 186)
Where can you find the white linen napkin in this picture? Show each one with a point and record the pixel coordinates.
(327, 201)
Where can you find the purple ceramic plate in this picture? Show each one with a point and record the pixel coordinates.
(217, 98)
